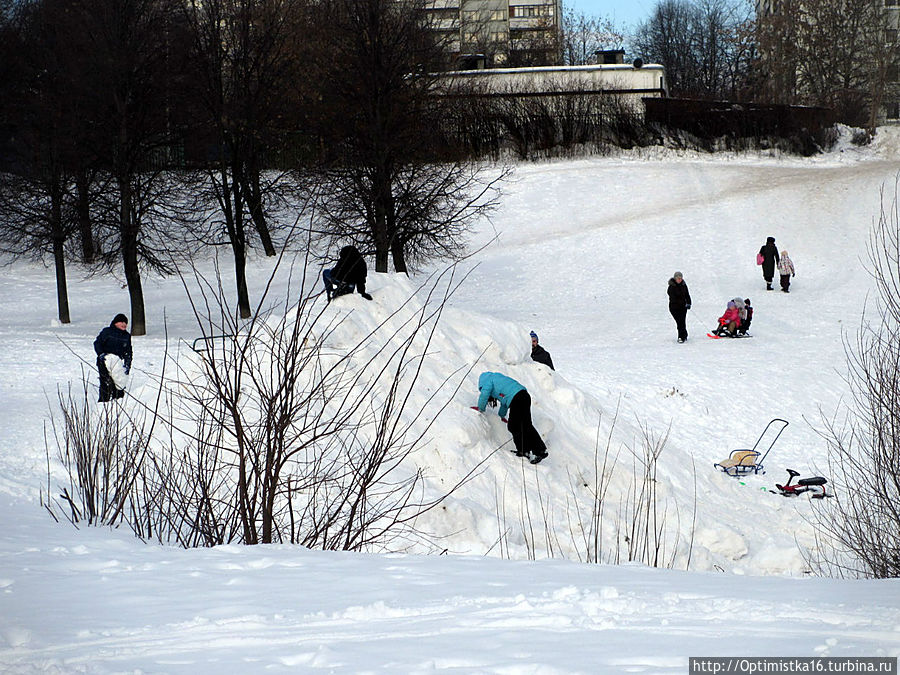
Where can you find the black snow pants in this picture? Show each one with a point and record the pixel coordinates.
(525, 436)
(680, 315)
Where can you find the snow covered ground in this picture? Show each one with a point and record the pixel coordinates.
(582, 255)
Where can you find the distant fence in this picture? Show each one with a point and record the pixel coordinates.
(714, 119)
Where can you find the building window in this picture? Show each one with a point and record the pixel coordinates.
(527, 11)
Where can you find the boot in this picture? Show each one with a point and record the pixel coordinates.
(768, 286)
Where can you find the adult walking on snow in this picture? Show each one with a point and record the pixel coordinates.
(786, 271)
(512, 396)
(113, 347)
(679, 303)
(768, 258)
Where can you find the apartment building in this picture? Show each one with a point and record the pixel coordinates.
(504, 32)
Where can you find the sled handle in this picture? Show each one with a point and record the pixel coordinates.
(772, 444)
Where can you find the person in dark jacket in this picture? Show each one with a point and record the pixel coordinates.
(114, 339)
(748, 317)
(512, 396)
(349, 271)
(769, 253)
(540, 354)
(679, 303)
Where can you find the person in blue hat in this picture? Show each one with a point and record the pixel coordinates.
(540, 354)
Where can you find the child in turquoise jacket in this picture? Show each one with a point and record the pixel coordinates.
(513, 397)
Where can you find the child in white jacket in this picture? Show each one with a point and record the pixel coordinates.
(786, 270)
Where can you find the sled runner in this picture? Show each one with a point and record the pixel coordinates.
(744, 461)
(736, 336)
(814, 485)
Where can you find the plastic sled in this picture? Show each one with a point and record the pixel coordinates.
(745, 461)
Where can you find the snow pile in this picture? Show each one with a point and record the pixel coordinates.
(580, 252)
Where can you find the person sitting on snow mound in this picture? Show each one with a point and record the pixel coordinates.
(730, 321)
(113, 347)
(540, 354)
(496, 387)
(349, 271)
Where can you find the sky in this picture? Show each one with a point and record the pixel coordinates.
(623, 12)
(580, 251)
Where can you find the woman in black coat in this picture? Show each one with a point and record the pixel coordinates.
(113, 339)
(769, 252)
(679, 303)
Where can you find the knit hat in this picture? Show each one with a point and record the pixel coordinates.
(534, 335)
(770, 240)
(117, 318)
(747, 300)
(678, 275)
(731, 304)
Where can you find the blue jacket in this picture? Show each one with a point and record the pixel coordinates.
(114, 341)
(500, 387)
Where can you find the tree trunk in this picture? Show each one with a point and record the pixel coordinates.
(83, 209)
(240, 273)
(253, 196)
(59, 259)
(129, 241)
(382, 194)
(239, 242)
(382, 248)
(398, 256)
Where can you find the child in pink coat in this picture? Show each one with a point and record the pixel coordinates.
(730, 321)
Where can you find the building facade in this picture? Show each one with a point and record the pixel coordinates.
(502, 33)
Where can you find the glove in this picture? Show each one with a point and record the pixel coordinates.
(504, 420)
(687, 306)
(793, 274)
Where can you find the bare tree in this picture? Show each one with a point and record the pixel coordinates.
(838, 54)
(129, 57)
(667, 38)
(583, 35)
(704, 45)
(393, 185)
(243, 60)
(860, 524)
(43, 204)
(778, 36)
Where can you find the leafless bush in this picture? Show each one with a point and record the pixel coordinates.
(624, 517)
(859, 527)
(286, 428)
(563, 118)
(101, 450)
(290, 439)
